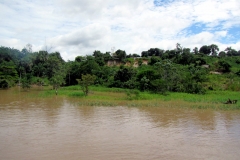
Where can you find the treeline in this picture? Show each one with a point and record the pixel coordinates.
(156, 70)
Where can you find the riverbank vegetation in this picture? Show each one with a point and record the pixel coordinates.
(204, 75)
(103, 96)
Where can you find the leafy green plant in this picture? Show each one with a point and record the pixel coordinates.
(85, 82)
(133, 94)
(8, 74)
(26, 81)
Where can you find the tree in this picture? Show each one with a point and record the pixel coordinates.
(122, 76)
(26, 81)
(89, 66)
(39, 64)
(144, 83)
(198, 61)
(5, 54)
(105, 75)
(97, 54)
(54, 63)
(205, 50)
(179, 49)
(222, 54)
(27, 49)
(214, 49)
(27, 62)
(144, 54)
(186, 50)
(99, 58)
(85, 82)
(228, 50)
(155, 52)
(171, 54)
(166, 75)
(154, 60)
(145, 75)
(56, 70)
(58, 79)
(223, 66)
(42, 56)
(74, 72)
(68, 66)
(8, 74)
(121, 54)
(231, 52)
(195, 50)
(107, 56)
(79, 59)
(194, 76)
(39, 69)
(135, 55)
(186, 58)
(159, 86)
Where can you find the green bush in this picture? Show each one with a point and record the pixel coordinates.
(132, 94)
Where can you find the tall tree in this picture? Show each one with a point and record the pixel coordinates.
(231, 52)
(79, 59)
(99, 58)
(8, 74)
(205, 50)
(155, 52)
(107, 56)
(193, 79)
(214, 49)
(195, 50)
(26, 81)
(144, 54)
(121, 55)
(58, 78)
(53, 63)
(179, 48)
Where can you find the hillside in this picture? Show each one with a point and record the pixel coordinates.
(156, 70)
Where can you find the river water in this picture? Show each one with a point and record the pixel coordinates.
(58, 128)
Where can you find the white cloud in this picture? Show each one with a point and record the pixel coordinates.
(76, 27)
(12, 42)
(221, 33)
(86, 36)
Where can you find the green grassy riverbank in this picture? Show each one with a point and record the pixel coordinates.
(101, 96)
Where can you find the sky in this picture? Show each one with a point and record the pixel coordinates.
(79, 27)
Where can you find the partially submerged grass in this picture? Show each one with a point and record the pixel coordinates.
(119, 97)
(102, 96)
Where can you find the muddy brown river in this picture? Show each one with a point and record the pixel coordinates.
(58, 128)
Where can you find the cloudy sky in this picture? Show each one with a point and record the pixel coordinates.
(78, 27)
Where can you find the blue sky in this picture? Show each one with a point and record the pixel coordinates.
(78, 27)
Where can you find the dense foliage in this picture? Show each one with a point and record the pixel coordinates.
(156, 70)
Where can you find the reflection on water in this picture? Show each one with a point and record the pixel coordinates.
(57, 128)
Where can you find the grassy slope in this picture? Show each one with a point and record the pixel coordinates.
(226, 81)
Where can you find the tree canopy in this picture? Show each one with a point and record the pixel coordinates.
(156, 70)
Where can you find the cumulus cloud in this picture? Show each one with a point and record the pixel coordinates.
(87, 36)
(76, 27)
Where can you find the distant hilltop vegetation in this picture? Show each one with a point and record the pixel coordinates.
(156, 70)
